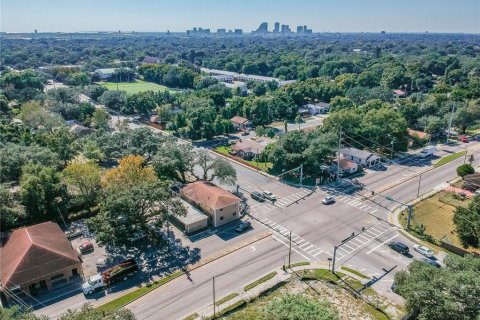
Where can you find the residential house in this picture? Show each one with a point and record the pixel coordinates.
(79, 130)
(417, 135)
(317, 108)
(399, 93)
(240, 123)
(150, 60)
(249, 148)
(346, 166)
(220, 205)
(37, 258)
(105, 74)
(361, 157)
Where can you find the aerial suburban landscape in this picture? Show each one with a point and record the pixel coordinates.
(257, 160)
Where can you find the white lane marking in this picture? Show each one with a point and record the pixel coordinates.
(253, 249)
(381, 244)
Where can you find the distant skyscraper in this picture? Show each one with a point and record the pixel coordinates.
(285, 28)
(238, 32)
(263, 28)
(221, 31)
(300, 29)
(277, 27)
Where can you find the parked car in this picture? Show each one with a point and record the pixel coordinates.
(399, 247)
(328, 200)
(464, 139)
(244, 225)
(423, 250)
(268, 195)
(428, 151)
(85, 247)
(431, 262)
(73, 233)
(257, 196)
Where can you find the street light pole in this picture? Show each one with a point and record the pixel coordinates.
(419, 181)
(391, 154)
(409, 218)
(214, 311)
(450, 121)
(338, 153)
(290, 249)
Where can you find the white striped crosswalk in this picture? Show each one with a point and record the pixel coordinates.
(297, 241)
(350, 200)
(281, 202)
(360, 241)
(363, 239)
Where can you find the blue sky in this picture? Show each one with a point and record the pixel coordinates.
(179, 15)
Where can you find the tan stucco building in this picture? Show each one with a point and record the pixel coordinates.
(220, 205)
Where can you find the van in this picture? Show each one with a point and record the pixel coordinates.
(428, 151)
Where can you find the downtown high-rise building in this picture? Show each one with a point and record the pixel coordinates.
(277, 27)
(263, 28)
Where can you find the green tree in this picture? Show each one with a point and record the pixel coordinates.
(101, 119)
(174, 161)
(467, 222)
(83, 178)
(213, 167)
(87, 312)
(40, 187)
(95, 91)
(465, 169)
(115, 100)
(61, 141)
(10, 210)
(34, 116)
(442, 293)
(80, 79)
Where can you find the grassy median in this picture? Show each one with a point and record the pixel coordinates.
(449, 158)
(260, 281)
(132, 296)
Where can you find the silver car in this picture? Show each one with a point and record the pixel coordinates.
(423, 250)
(328, 200)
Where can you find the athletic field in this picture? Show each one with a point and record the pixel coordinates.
(135, 87)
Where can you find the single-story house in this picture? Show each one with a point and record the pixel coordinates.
(361, 157)
(80, 130)
(220, 205)
(37, 258)
(194, 221)
(399, 93)
(346, 166)
(240, 123)
(317, 108)
(150, 60)
(249, 148)
(105, 74)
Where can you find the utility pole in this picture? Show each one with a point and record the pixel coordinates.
(409, 218)
(214, 311)
(391, 154)
(466, 153)
(334, 255)
(338, 153)
(290, 249)
(301, 174)
(419, 181)
(450, 121)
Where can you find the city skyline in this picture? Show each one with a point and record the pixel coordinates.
(445, 16)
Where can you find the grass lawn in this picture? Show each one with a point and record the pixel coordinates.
(449, 158)
(135, 87)
(226, 298)
(264, 166)
(436, 214)
(355, 272)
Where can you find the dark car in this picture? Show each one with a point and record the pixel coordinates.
(399, 247)
(257, 196)
(431, 262)
(243, 226)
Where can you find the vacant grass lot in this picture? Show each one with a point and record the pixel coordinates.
(436, 214)
(264, 166)
(135, 87)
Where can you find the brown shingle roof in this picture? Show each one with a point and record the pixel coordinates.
(239, 120)
(208, 194)
(34, 252)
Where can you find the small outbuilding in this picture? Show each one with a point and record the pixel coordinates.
(361, 157)
(194, 221)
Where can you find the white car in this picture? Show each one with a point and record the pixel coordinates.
(423, 250)
(270, 196)
(328, 200)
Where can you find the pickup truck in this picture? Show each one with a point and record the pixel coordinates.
(116, 273)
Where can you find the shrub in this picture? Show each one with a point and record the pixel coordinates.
(465, 169)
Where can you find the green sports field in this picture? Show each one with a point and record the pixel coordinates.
(135, 87)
